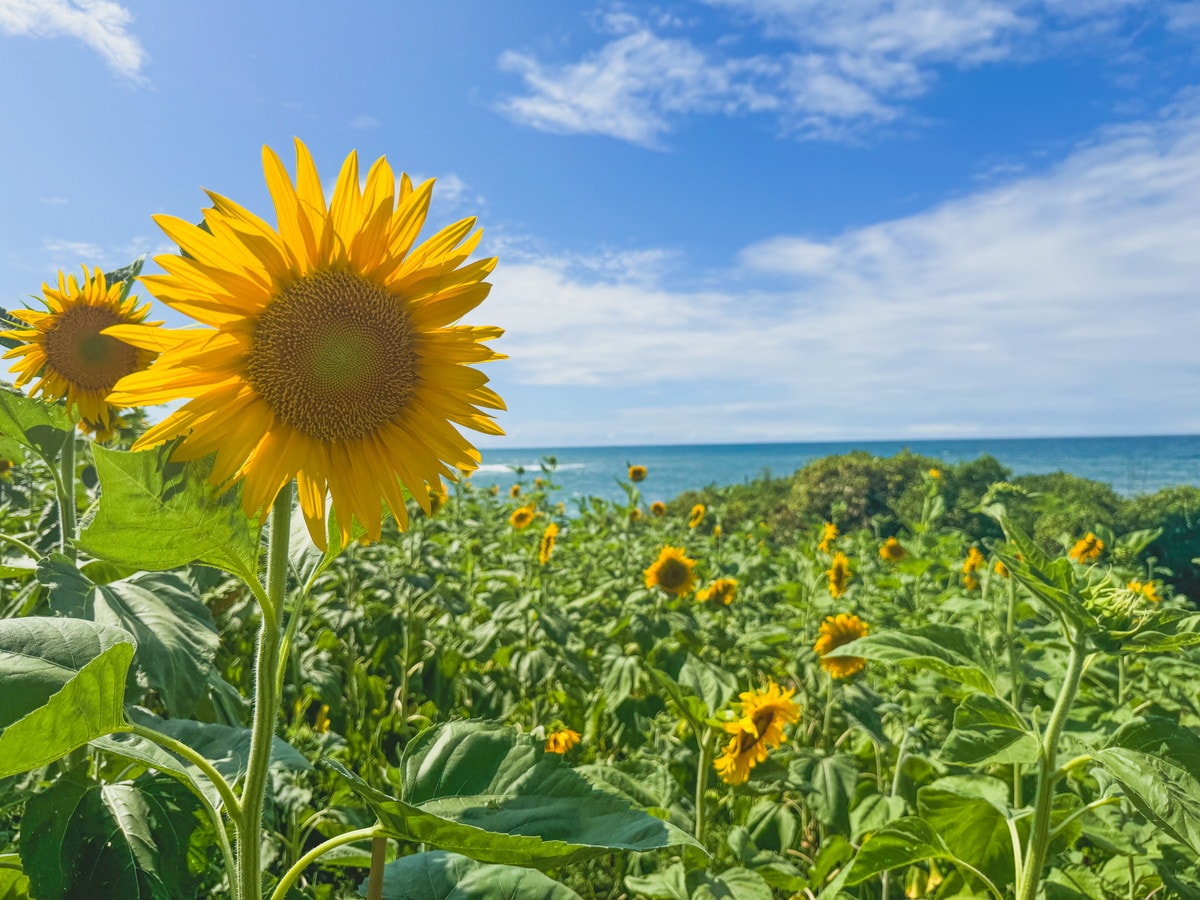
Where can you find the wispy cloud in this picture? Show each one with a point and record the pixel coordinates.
(842, 68)
(101, 24)
(1044, 304)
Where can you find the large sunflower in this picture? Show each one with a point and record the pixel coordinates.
(330, 355)
(672, 571)
(66, 350)
(760, 727)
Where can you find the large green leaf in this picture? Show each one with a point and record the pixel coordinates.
(482, 789)
(124, 841)
(901, 843)
(952, 652)
(155, 514)
(970, 815)
(828, 784)
(438, 875)
(988, 730)
(138, 749)
(42, 427)
(1157, 762)
(64, 684)
(175, 633)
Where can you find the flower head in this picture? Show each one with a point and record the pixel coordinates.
(1146, 589)
(759, 728)
(635, 514)
(438, 495)
(637, 473)
(561, 741)
(67, 350)
(672, 571)
(6, 467)
(546, 545)
(658, 509)
(892, 550)
(723, 591)
(494, 490)
(829, 533)
(1000, 569)
(521, 517)
(972, 564)
(834, 632)
(935, 473)
(696, 516)
(839, 574)
(514, 491)
(329, 353)
(1087, 549)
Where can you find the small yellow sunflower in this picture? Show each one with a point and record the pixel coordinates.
(829, 534)
(546, 546)
(658, 509)
(834, 632)
(839, 574)
(723, 590)
(892, 550)
(1146, 589)
(637, 473)
(438, 495)
(1087, 549)
(935, 473)
(66, 348)
(6, 469)
(696, 516)
(321, 724)
(1000, 569)
(330, 354)
(521, 517)
(494, 490)
(759, 728)
(635, 514)
(514, 491)
(539, 483)
(561, 741)
(672, 571)
(972, 564)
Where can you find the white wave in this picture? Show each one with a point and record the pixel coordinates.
(529, 467)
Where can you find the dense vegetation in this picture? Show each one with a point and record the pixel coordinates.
(1017, 713)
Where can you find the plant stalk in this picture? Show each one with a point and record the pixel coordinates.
(705, 742)
(311, 856)
(1048, 775)
(266, 703)
(66, 498)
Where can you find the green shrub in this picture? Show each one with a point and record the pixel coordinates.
(1176, 511)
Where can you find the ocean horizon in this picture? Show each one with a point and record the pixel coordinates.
(1130, 464)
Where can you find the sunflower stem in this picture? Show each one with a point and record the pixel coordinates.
(66, 498)
(705, 741)
(266, 703)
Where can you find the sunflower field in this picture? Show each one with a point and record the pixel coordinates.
(281, 644)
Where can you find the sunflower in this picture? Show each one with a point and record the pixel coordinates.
(760, 727)
(635, 514)
(829, 533)
(658, 509)
(438, 495)
(696, 516)
(546, 545)
(1000, 569)
(329, 353)
(561, 741)
(839, 574)
(972, 564)
(1146, 589)
(66, 348)
(892, 550)
(723, 590)
(494, 490)
(836, 631)
(672, 572)
(6, 469)
(521, 517)
(514, 491)
(637, 473)
(1087, 549)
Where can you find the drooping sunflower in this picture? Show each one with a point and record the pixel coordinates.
(521, 517)
(658, 509)
(834, 632)
(1087, 549)
(561, 741)
(829, 534)
(839, 574)
(637, 473)
(546, 545)
(696, 516)
(672, 571)
(759, 728)
(66, 348)
(723, 591)
(329, 353)
(972, 564)
(892, 550)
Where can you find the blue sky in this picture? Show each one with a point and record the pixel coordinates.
(719, 220)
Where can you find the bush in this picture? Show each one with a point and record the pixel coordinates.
(1177, 512)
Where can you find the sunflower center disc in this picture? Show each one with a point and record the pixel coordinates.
(334, 356)
(672, 573)
(87, 359)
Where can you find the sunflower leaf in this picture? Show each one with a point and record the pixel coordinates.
(156, 514)
(951, 652)
(42, 427)
(438, 875)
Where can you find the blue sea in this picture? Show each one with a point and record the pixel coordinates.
(1132, 465)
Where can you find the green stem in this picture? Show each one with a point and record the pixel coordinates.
(1014, 676)
(232, 807)
(289, 878)
(1048, 775)
(65, 484)
(886, 881)
(705, 742)
(21, 545)
(827, 725)
(266, 703)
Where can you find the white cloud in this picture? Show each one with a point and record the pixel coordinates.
(1059, 303)
(844, 66)
(364, 122)
(101, 24)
